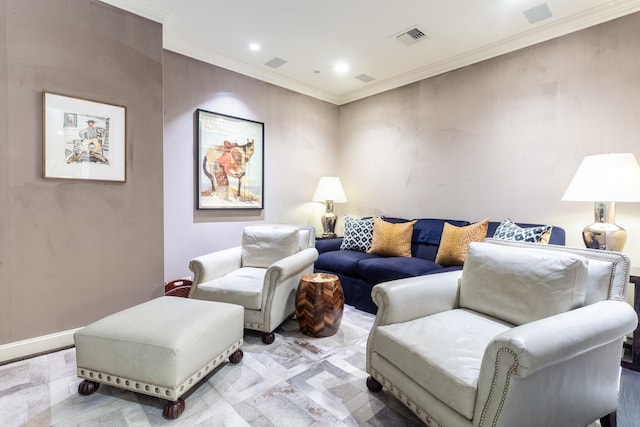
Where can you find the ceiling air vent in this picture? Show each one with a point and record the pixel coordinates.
(538, 13)
(275, 62)
(411, 36)
(364, 78)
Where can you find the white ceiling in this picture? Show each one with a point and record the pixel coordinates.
(311, 35)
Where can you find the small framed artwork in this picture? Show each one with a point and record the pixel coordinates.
(229, 162)
(83, 139)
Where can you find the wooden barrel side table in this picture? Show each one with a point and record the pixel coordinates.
(319, 304)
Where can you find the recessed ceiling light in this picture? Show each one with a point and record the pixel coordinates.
(254, 47)
(341, 67)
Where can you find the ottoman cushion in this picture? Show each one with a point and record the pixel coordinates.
(161, 347)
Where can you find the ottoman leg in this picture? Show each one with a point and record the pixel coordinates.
(173, 410)
(236, 357)
(268, 337)
(87, 387)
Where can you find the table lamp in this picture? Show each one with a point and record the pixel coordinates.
(329, 191)
(605, 179)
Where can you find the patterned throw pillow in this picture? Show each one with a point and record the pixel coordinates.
(454, 243)
(508, 230)
(357, 234)
(391, 239)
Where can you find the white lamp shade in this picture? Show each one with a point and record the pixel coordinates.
(606, 178)
(329, 188)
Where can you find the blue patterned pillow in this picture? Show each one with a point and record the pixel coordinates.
(358, 234)
(508, 230)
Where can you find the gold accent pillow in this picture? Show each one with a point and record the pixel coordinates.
(391, 239)
(454, 243)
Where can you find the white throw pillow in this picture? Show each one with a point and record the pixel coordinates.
(264, 245)
(521, 285)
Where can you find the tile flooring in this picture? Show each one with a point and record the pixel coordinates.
(296, 381)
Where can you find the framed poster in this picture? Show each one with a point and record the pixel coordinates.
(229, 161)
(83, 139)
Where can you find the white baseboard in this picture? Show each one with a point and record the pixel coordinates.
(33, 346)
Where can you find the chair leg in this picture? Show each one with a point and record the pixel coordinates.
(609, 420)
(373, 385)
(268, 337)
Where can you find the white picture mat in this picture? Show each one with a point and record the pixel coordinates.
(60, 131)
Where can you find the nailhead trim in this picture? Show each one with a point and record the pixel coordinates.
(420, 412)
(505, 389)
(157, 390)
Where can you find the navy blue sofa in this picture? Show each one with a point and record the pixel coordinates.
(359, 272)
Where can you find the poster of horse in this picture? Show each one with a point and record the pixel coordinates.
(230, 162)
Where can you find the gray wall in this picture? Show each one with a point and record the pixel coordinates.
(501, 138)
(300, 146)
(74, 251)
(496, 139)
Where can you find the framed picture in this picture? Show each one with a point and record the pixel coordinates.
(83, 139)
(229, 161)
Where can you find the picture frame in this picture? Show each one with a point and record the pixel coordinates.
(83, 139)
(229, 162)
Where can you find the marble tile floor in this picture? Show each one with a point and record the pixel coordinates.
(296, 381)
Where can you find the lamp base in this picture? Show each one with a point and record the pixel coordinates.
(329, 221)
(601, 235)
(604, 233)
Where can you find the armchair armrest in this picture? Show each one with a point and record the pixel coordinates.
(407, 299)
(290, 266)
(558, 338)
(553, 354)
(216, 264)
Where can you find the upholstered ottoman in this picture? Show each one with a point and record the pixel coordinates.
(161, 348)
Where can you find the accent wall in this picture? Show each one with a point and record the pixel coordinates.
(501, 138)
(72, 251)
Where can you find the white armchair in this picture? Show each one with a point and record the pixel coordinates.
(524, 335)
(261, 275)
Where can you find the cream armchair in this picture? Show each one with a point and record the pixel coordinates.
(524, 335)
(261, 275)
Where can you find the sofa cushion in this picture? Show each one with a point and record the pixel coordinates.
(357, 234)
(382, 269)
(429, 230)
(341, 262)
(391, 239)
(508, 230)
(522, 284)
(442, 353)
(455, 242)
(264, 245)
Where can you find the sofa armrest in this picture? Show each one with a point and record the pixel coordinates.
(216, 264)
(414, 297)
(290, 266)
(328, 245)
(553, 354)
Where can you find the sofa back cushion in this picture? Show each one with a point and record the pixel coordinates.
(264, 245)
(520, 284)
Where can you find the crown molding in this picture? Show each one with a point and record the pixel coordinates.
(537, 35)
(175, 44)
(145, 8)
